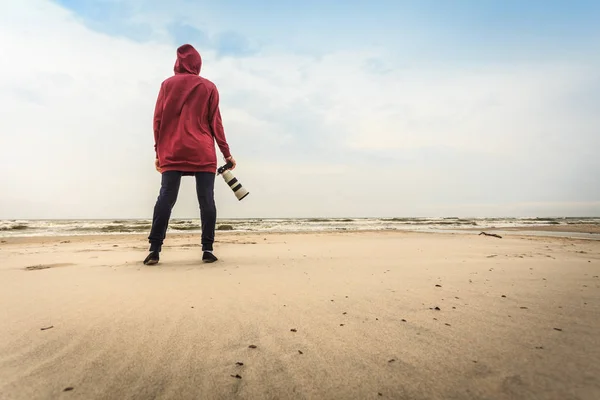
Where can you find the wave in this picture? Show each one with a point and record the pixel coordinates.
(112, 228)
(425, 221)
(185, 228)
(17, 227)
(14, 228)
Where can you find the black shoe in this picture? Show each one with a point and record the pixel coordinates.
(209, 257)
(152, 258)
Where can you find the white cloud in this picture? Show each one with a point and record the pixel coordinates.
(312, 135)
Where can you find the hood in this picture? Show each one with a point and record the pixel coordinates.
(188, 60)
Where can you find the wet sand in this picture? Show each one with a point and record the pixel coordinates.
(593, 229)
(301, 316)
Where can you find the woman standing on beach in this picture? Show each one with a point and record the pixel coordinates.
(187, 121)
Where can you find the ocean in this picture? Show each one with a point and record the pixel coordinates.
(20, 228)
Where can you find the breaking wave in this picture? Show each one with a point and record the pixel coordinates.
(142, 226)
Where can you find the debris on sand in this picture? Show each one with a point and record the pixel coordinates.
(252, 346)
(237, 376)
(37, 267)
(490, 234)
(46, 328)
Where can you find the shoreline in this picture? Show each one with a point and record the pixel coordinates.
(528, 232)
(568, 228)
(66, 228)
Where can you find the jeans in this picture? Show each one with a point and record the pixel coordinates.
(170, 182)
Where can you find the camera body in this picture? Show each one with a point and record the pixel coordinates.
(235, 185)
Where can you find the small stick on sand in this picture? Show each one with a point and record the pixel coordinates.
(490, 234)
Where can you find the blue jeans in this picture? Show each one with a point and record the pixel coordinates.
(170, 182)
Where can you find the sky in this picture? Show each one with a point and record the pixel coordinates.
(331, 108)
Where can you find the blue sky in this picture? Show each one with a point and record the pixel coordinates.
(436, 29)
(355, 108)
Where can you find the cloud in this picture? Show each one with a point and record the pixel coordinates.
(356, 132)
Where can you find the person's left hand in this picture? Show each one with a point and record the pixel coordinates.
(232, 160)
(157, 166)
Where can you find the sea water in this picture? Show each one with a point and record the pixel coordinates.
(17, 228)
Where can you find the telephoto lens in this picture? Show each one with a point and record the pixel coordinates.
(235, 185)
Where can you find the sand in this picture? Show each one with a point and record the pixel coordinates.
(577, 228)
(591, 229)
(332, 315)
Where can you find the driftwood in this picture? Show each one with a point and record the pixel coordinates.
(490, 234)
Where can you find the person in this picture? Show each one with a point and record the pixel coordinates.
(187, 122)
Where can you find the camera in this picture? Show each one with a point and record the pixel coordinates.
(235, 185)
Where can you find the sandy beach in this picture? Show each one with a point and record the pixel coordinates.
(301, 316)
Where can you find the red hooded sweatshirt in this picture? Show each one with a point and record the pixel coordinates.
(187, 120)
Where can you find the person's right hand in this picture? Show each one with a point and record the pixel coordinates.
(232, 160)
(157, 166)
